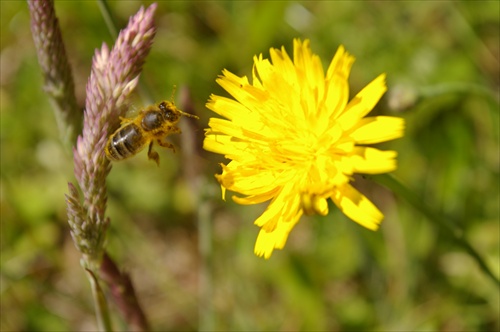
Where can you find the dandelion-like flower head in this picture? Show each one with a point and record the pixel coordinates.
(295, 140)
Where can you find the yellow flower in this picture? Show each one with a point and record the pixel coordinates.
(294, 139)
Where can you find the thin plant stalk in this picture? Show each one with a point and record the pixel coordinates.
(108, 18)
(444, 223)
(199, 188)
(100, 303)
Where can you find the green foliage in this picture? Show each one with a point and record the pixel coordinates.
(332, 274)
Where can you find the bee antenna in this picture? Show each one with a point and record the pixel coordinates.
(174, 89)
(189, 115)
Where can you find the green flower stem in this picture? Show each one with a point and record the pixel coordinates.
(201, 192)
(206, 310)
(108, 18)
(457, 88)
(101, 305)
(444, 223)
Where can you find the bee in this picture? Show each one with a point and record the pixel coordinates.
(152, 124)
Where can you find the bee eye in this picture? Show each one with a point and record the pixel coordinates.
(169, 115)
(163, 107)
(169, 112)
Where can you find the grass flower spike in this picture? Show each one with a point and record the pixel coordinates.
(56, 70)
(295, 139)
(114, 75)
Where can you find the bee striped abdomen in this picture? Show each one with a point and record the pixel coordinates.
(125, 143)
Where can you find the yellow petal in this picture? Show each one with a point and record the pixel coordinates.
(240, 89)
(309, 72)
(363, 103)
(267, 241)
(378, 129)
(217, 143)
(247, 182)
(337, 88)
(256, 199)
(283, 65)
(228, 108)
(223, 192)
(341, 64)
(357, 207)
(373, 161)
(274, 210)
(226, 127)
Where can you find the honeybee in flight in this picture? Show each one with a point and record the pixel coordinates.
(152, 124)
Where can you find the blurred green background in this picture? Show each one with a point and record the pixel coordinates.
(189, 253)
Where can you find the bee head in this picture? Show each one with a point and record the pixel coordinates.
(172, 113)
(169, 111)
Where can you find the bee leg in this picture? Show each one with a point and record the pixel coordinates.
(166, 145)
(125, 120)
(174, 130)
(153, 154)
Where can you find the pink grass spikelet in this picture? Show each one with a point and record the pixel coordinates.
(114, 75)
(58, 80)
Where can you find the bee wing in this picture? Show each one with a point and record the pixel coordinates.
(132, 112)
